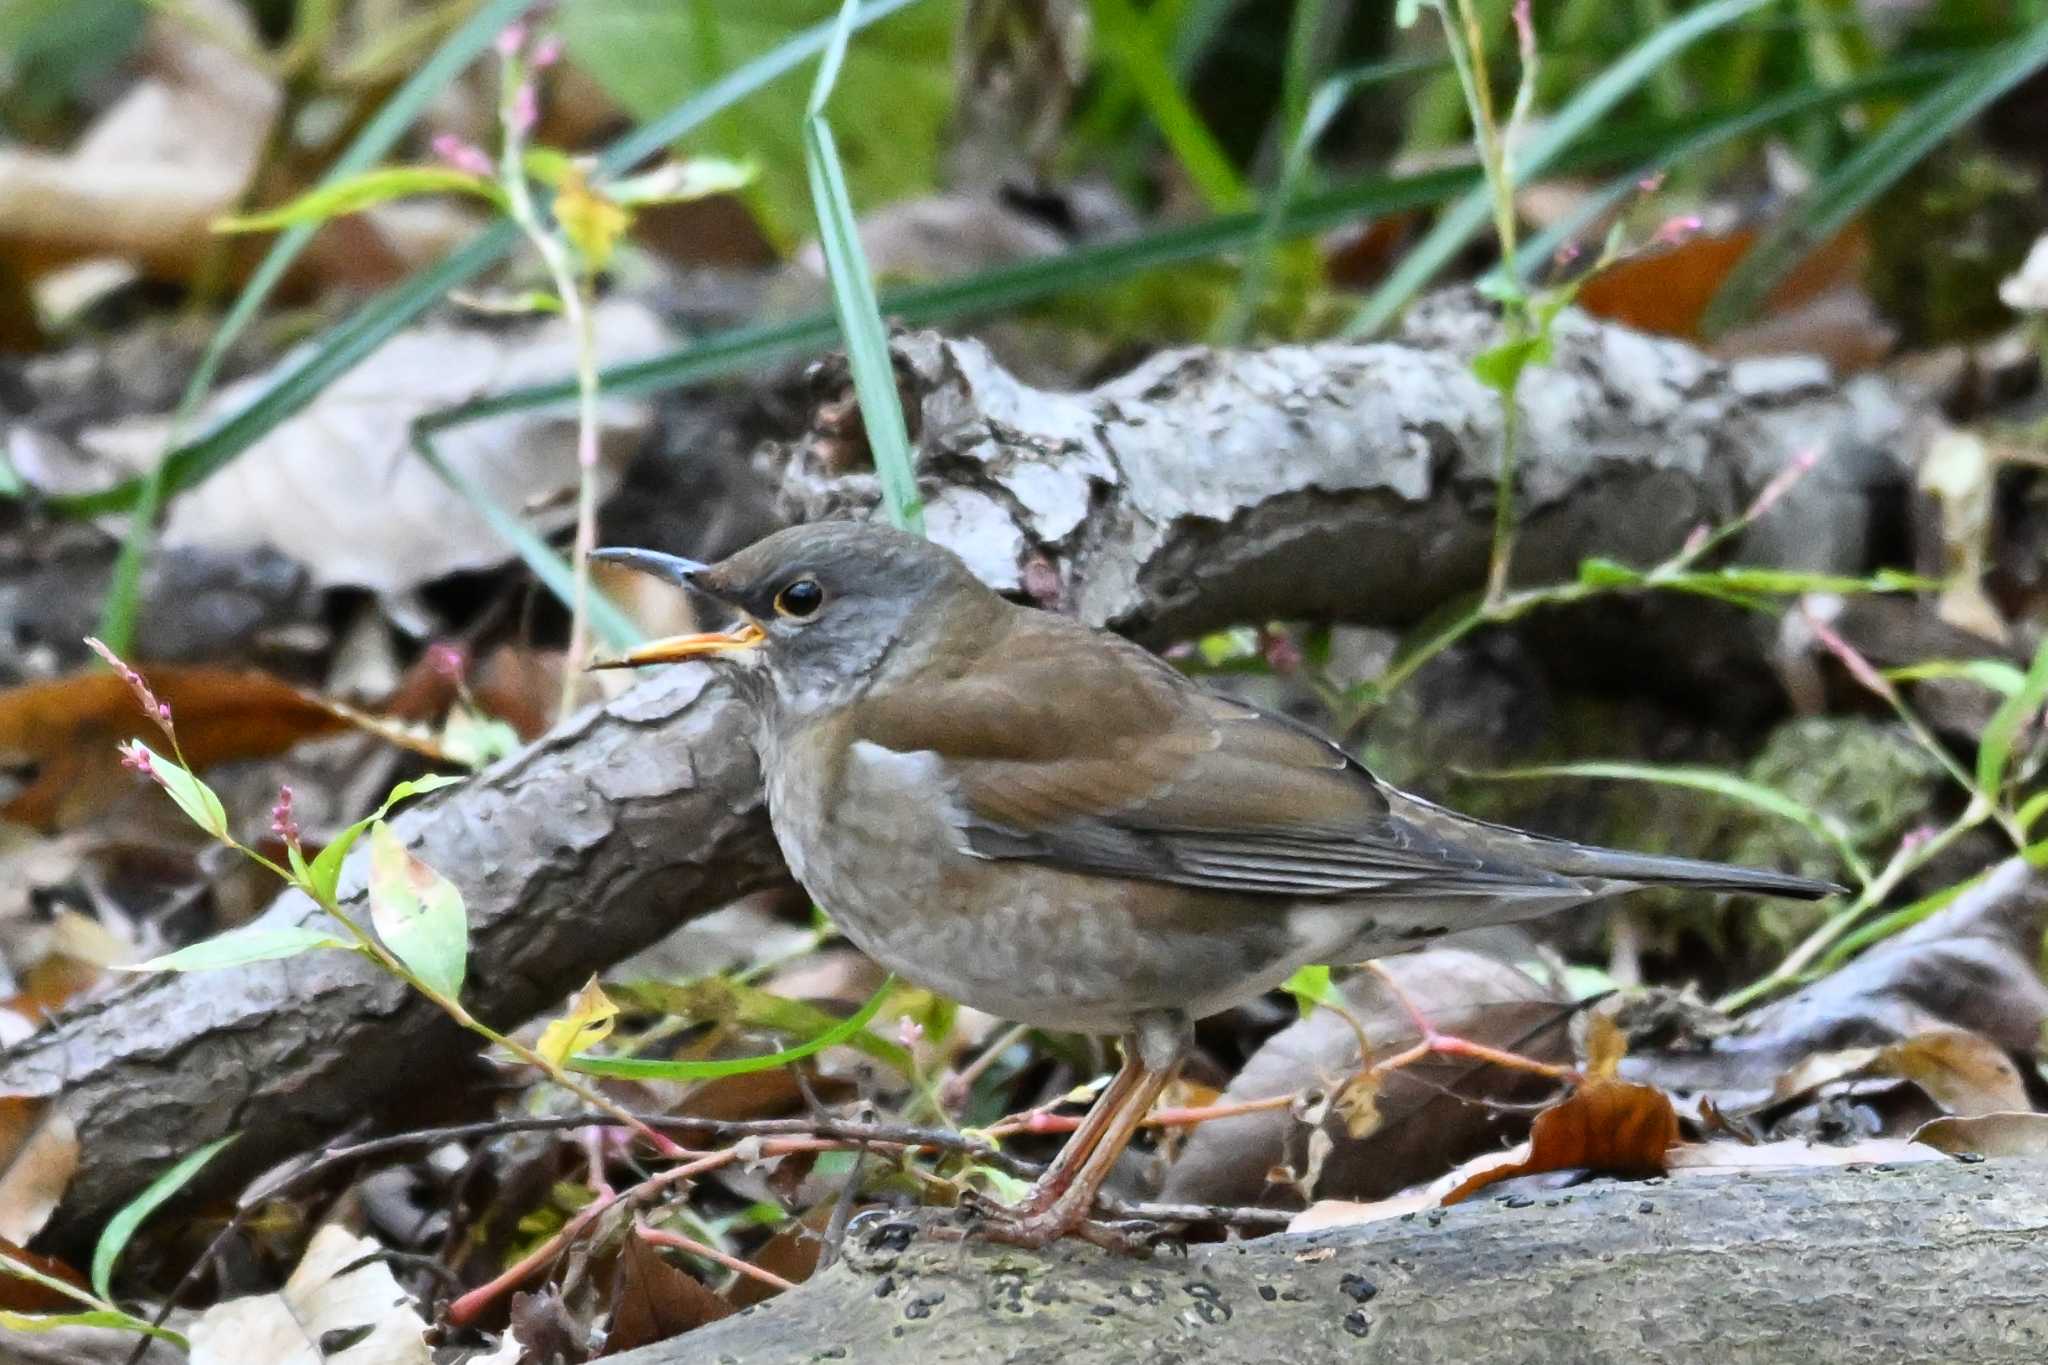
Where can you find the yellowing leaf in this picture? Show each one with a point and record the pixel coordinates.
(592, 223)
(586, 1023)
(418, 913)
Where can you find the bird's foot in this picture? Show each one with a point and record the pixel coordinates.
(1022, 1225)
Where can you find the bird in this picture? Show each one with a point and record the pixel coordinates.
(1049, 823)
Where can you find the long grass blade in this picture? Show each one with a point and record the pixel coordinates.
(853, 297)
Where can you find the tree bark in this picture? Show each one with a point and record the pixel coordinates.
(1936, 1262)
(1337, 481)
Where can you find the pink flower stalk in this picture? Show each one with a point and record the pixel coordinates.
(1283, 653)
(462, 155)
(546, 53)
(1694, 540)
(525, 108)
(1651, 183)
(1797, 468)
(1525, 29)
(1859, 667)
(1566, 254)
(135, 758)
(1676, 230)
(909, 1032)
(283, 823)
(158, 712)
(511, 40)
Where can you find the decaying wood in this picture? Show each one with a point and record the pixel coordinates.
(1344, 481)
(1938, 1262)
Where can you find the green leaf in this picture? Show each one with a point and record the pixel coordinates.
(325, 873)
(338, 199)
(1994, 675)
(649, 1069)
(679, 181)
(1596, 572)
(1550, 139)
(1500, 367)
(95, 1317)
(194, 797)
(418, 913)
(853, 299)
(1849, 188)
(114, 1240)
(898, 87)
(1755, 795)
(721, 1000)
(1994, 747)
(239, 946)
(1310, 986)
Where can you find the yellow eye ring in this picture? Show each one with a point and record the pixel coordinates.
(800, 600)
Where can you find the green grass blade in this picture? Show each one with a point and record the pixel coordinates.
(1872, 169)
(114, 1240)
(345, 344)
(651, 1069)
(1755, 795)
(853, 299)
(1994, 747)
(1127, 42)
(1468, 215)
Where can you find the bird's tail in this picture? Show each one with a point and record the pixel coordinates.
(1649, 869)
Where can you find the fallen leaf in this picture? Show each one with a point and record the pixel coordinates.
(654, 1301)
(2026, 291)
(334, 1294)
(544, 1327)
(21, 1295)
(339, 489)
(1969, 966)
(1340, 1213)
(1614, 1127)
(1428, 1115)
(1667, 291)
(1964, 1073)
(2011, 1134)
(65, 730)
(38, 1156)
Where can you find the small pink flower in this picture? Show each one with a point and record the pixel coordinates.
(1694, 539)
(1651, 183)
(546, 52)
(1676, 230)
(283, 823)
(158, 712)
(1283, 653)
(1566, 254)
(1859, 667)
(1525, 28)
(511, 40)
(135, 758)
(463, 156)
(450, 661)
(909, 1032)
(1797, 468)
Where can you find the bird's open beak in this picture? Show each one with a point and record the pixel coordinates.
(746, 634)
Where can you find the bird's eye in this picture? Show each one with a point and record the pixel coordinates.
(800, 599)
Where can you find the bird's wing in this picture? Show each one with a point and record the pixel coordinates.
(1154, 778)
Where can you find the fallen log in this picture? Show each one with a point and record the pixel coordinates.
(1935, 1262)
(1346, 482)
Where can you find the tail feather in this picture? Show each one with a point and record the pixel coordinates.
(1647, 869)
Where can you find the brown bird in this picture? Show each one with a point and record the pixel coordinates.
(1047, 823)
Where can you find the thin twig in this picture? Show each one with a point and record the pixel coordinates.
(690, 1246)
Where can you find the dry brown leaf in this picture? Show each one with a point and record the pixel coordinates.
(38, 1156)
(1614, 1127)
(18, 1295)
(1428, 1115)
(1668, 291)
(339, 489)
(1339, 1213)
(66, 730)
(2007, 1134)
(323, 1297)
(1964, 1073)
(653, 1301)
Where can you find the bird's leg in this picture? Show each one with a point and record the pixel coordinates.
(1064, 1196)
